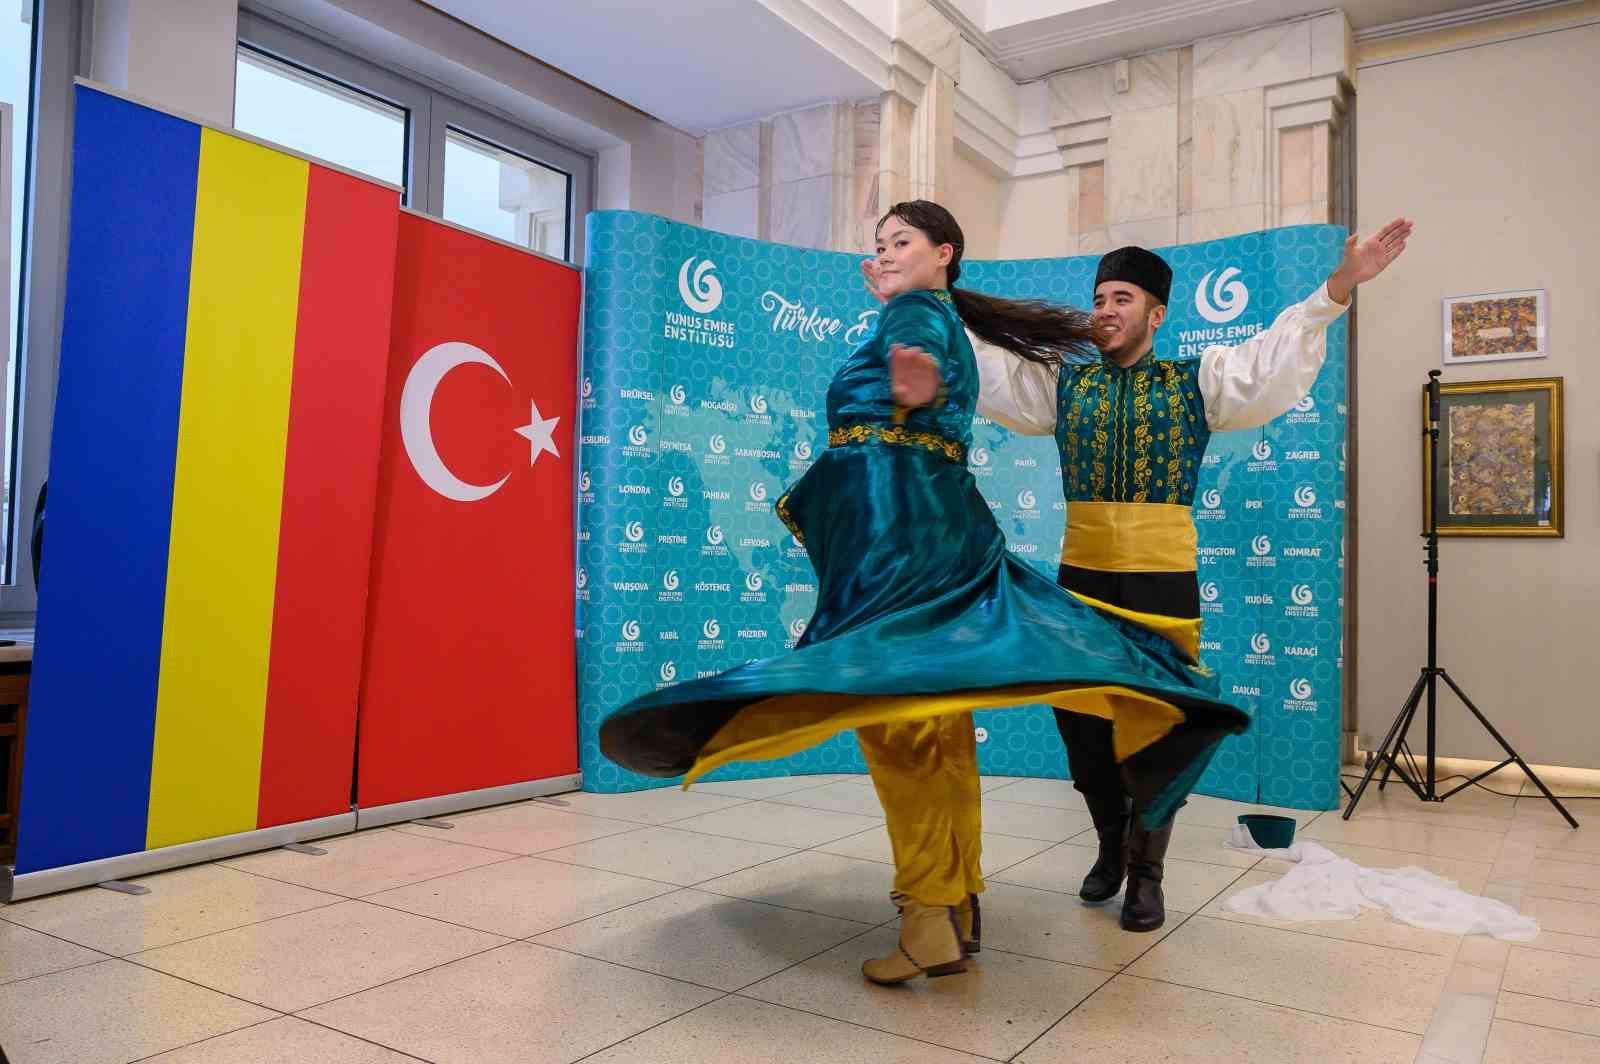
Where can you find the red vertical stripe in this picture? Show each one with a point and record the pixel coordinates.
(329, 494)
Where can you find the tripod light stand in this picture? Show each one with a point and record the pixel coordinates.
(1394, 754)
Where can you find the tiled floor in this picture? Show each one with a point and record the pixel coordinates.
(729, 923)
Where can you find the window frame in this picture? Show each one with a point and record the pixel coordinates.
(431, 112)
(58, 54)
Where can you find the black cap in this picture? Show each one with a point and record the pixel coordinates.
(1138, 266)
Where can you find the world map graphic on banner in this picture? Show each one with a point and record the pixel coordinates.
(707, 358)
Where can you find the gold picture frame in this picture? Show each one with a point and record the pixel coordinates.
(1500, 448)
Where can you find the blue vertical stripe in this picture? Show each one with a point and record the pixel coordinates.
(86, 778)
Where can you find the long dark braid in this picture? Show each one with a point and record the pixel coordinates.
(1038, 331)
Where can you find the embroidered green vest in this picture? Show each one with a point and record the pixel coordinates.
(1131, 435)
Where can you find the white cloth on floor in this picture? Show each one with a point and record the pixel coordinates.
(1325, 886)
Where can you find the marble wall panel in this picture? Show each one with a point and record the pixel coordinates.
(1090, 93)
(802, 212)
(804, 143)
(1142, 165)
(1149, 232)
(1229, 150)
(738, 212)
(732, 159)
(1252, 60)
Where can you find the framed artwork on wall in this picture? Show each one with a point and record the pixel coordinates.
(1500, 449)
(1495, 327)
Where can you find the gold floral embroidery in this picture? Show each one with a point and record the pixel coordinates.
(787, 518)
(1102, 439)
(1143, 410)
(1174, 434)
(897, 436)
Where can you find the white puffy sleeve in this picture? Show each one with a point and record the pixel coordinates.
(1019, 394)
(1248, 385)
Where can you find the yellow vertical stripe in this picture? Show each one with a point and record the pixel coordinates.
(244, 290)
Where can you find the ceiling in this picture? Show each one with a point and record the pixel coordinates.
(699, 65)
(708, 64)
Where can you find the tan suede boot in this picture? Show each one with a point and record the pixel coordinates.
(969, 925)
(929, 945)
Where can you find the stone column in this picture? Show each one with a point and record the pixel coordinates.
(178, 54)
(735, 191)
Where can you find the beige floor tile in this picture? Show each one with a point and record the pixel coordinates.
(999, 1005)
(1567, 917)
(1537, 820)
(512, 1006)
(25, 953)
(771, 787)
(1570, 856)
(704, 938)
(1543, 1012)
(521, 898)
(1587, 895)
(1058, 794)
(1470, 876)
(1565, 781)
(527, 827)
(182, 904)
(1518, 1043)
(1553, 975)
(1043, 822)
(668, 855)
(1372, 927)
(1409, 836)
(995, 783)
(1224, 813)
(1187, 885)
(366, 862)
(661, 805)
(999, 851)
(1473, 810)
(291, 963)
(780, 825)
(1196, 1025)
(1557, 942)
(283, 1041)
(1058, 927)
(1565, 874)
(111, 1013)
(845, 796)
(754, 1032)
(1349, 980)
(1192, 842)
(816, 882)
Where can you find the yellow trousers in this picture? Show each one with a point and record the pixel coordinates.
(926, 774)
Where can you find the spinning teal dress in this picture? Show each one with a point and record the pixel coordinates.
(922, 611)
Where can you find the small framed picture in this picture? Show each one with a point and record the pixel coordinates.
(1500, 459)
(1494, 327)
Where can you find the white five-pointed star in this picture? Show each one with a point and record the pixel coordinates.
(540, 432)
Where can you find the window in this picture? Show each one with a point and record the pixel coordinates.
(17, 65)
(470, 165)
(504, 195)
(319, 117)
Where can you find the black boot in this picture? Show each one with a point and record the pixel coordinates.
(1111, 824)
(1143, 907)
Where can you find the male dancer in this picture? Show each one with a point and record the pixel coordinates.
(1131, 430)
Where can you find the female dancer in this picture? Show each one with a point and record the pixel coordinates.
(923, 615)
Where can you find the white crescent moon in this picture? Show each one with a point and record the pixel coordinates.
(416, 408)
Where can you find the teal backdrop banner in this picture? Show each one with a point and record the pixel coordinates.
(706, 359)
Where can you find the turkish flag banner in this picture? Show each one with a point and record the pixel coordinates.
(470, 679)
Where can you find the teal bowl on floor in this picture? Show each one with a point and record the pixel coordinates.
(1270, 832)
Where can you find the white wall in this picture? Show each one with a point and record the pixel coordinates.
(1493, 150)
(976, 196)
(178, 54)
(1033, 218)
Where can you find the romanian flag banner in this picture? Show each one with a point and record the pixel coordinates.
(213, 480)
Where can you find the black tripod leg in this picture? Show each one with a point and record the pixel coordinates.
(1537, 782)
(1412, 701)
(1384, 755)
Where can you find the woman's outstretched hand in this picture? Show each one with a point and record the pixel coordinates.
(914, 377)
(869, 274)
